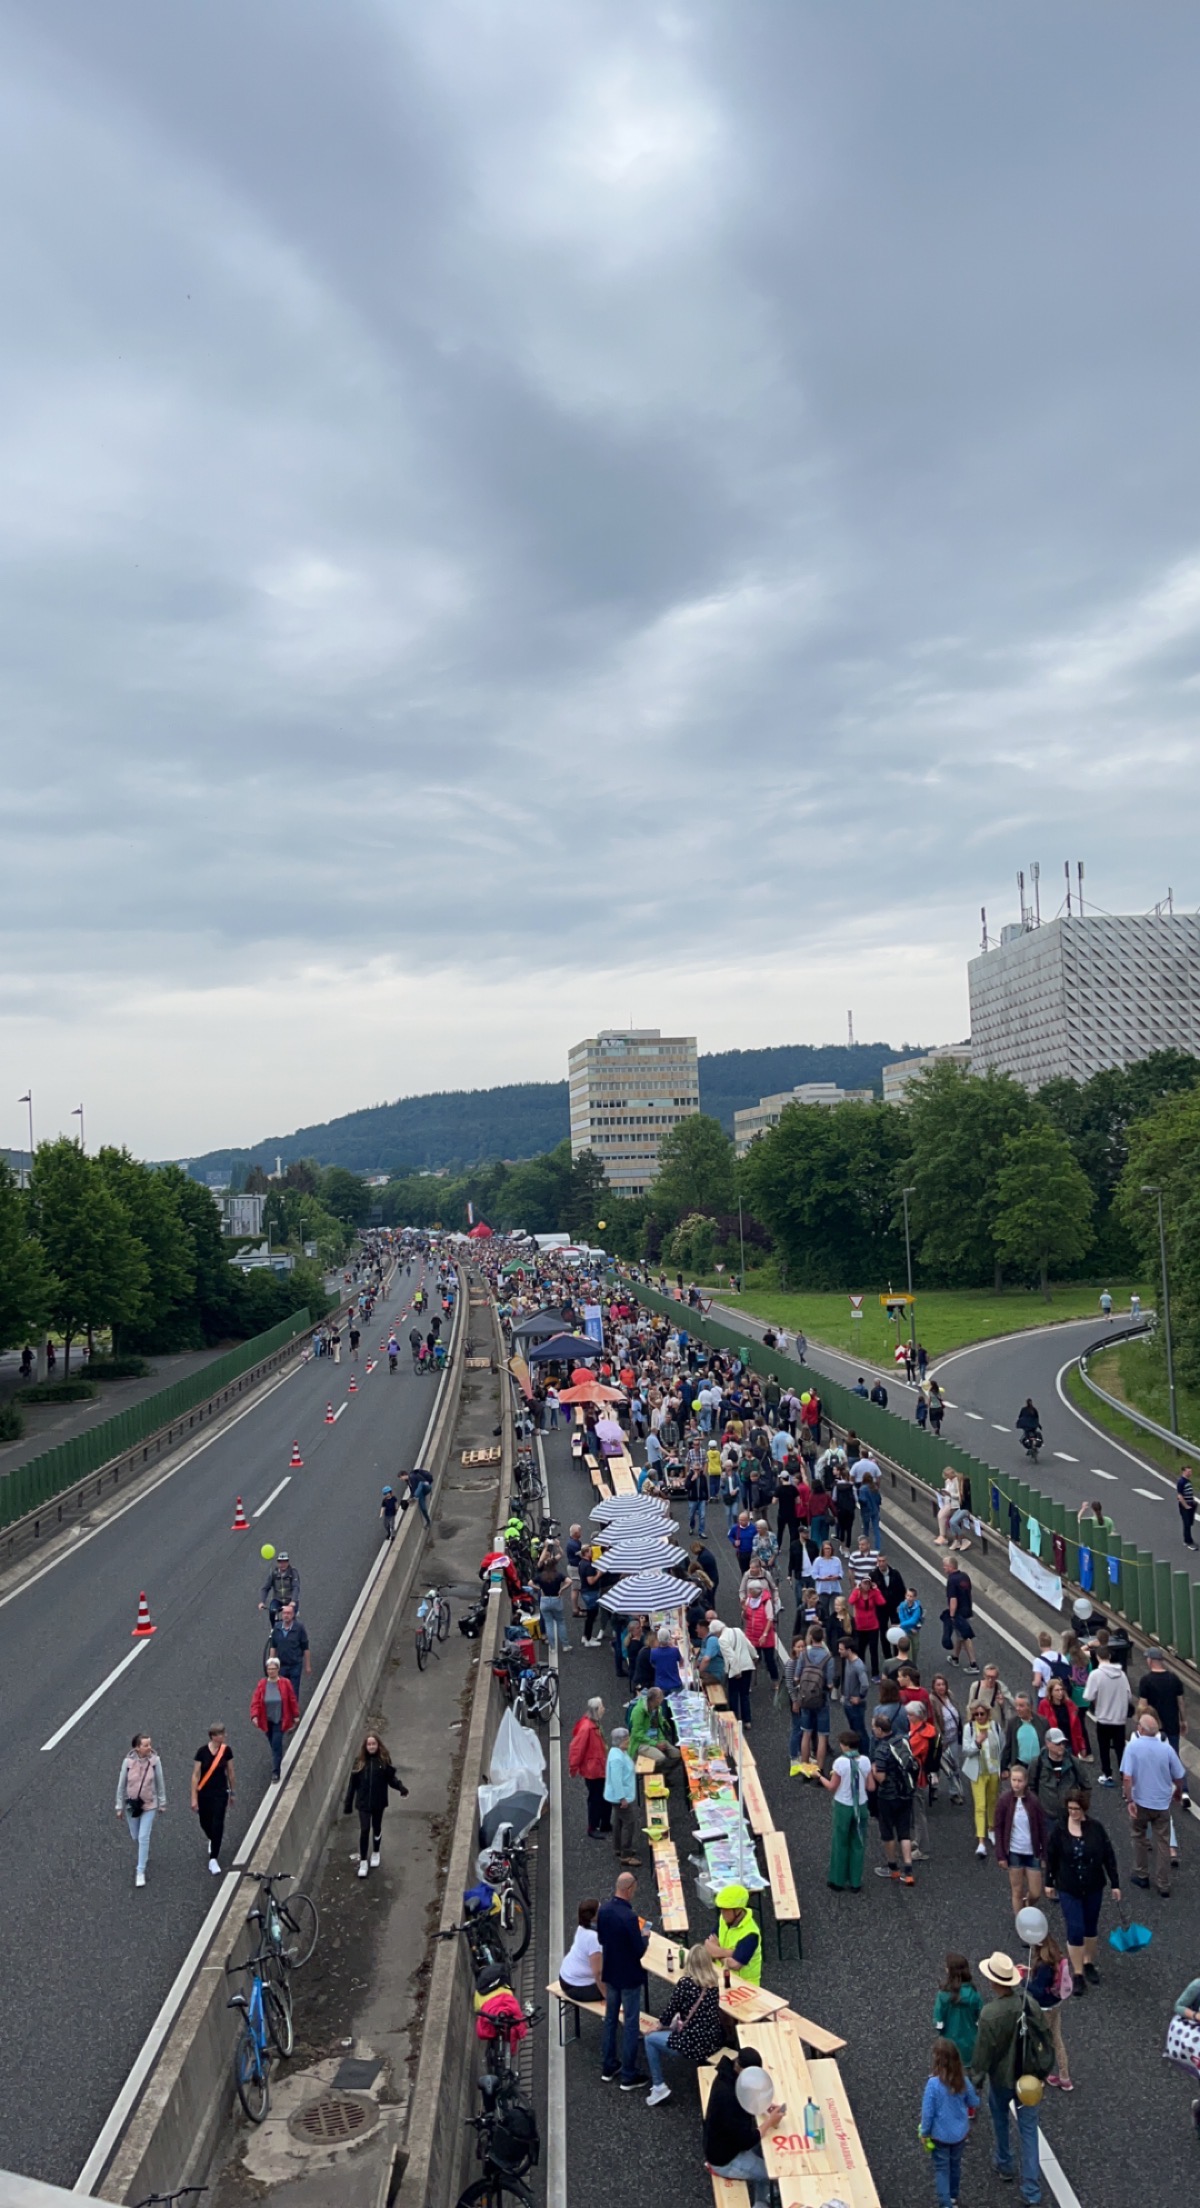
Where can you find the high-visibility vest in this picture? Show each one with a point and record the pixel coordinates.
(728, 1935)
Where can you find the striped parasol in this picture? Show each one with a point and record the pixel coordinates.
(621, 1509)
(642, 1556)
(648, 1591)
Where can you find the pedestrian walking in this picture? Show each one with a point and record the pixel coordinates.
(894, 1769)
(981, 1769)
(591, 1581)
(947, 2107)
(289, 1641)
(1185, 1496)
(275, 1711)
(622, 1947)
(1050, 1983)
(948, 1718)
(587, 1759)
(958, 1617)
(760, 1609)
(1162, 1688)
(738, 1658)
(213, 1788)
(551, 1579)
(1109, 1696)
(850, 1781)
(808, 1676)
(1013, 2041)
(372, 1777)
(620, 1793)
(141, 1797)
(1021, 1838)
(1079, 1863)
(957, 2007)
(1152, 1777)
(855, 1686)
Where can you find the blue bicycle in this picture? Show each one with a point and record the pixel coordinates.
(266, 2032)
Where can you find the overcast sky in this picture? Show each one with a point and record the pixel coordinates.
(519, 518)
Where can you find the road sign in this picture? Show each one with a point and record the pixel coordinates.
(897, 1302)
(856, 1304)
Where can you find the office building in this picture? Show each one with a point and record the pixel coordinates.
(628, 1087)
(898, 1078)
(1075, 995)
(755, 1119)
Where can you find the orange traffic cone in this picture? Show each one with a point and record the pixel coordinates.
(295, 1460)
(329, 1414)
(143, 1629)
(241, 1524)
(354, 1387)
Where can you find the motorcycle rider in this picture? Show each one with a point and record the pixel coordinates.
(1029, 1425)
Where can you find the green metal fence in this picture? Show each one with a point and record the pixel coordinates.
(36, 1482)
(1161, 1602)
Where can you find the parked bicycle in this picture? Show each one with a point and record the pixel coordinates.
(266, 2031)
(505, 1869)
(433, 1624)
(506, 2142)
(290, 1923)
(536, 1698)
(485, 1941)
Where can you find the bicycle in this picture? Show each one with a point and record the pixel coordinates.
(433, 1623)
(266, 2024)
(536, 1698)
(504, 1868)
(167, 2200)
(488, 1948)
(294, 1913)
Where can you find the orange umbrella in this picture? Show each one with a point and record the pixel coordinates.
(590, 1391)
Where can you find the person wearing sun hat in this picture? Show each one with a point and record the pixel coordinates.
(994, 2065)
(737, 1942)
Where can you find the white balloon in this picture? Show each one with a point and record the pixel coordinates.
(1032, 1927)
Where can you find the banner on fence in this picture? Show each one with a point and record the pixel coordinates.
(1035, 1576)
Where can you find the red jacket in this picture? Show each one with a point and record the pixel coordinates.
(1072, 1728)
(587, 1757)
(289, 1706)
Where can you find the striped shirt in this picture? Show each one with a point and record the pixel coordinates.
(862, 1564)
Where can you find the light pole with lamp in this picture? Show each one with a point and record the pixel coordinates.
(742, 1246)
(28, 1099)
(912, 1305)
(1148, 1189)
(78, 1114)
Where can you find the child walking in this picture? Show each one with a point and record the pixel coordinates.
(946, 2111)
(956, 2010)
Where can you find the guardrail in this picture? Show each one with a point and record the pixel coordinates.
(1136, 1418)
(37, 1497)
(1161, 1601)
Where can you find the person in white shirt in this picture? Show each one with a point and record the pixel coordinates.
(582, 1966)
(850, 1781)
(1108, 1694)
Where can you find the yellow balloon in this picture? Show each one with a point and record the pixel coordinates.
(266, 1552)
(1029, 2090)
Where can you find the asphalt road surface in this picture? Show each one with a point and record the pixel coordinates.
(985, 1387)
(89, 1958)
(873, 1963)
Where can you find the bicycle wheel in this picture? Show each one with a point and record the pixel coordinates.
(495, 2192)
(442, 1616)
(546, 1698)
(300, 1916)
(521, 1710)
(515, 1920)
(424, 1642)
(252, 2077)
(277, 2009)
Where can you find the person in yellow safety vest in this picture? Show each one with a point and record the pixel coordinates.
(737, 1940)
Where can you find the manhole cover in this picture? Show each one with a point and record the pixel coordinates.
(333, 2119)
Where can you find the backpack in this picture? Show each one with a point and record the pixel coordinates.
(811, 1685)
(922, 1734)
(1033, 2044)
(1058, 1668)
(902, 1778)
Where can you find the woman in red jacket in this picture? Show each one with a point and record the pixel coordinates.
(867, 1606)
(587, 1759)
(275, 1711)
(1058, 1709)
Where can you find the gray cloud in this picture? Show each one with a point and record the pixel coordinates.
(690, 497)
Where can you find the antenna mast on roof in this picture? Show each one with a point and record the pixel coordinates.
(1035, 873)
(983, 917)
(1067, 872)
(1079, 872)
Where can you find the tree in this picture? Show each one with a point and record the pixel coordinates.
(163, 1316)
(1096, 1116)
(345, 1195)
(693, 1243)
(256, 1183)
(1043, 1203)
(26, 1286)
(823, 1183)
(957, 1124)
(304, 1174)
(1164, 1152)
(586, 1196)
(695, 1169)
(98, 1264)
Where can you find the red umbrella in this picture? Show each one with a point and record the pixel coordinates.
(590, 1391)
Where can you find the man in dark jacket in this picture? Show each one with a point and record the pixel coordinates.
(289, 1641)
(1053, 1773)
(732, 2136)
(622, 1946)
(1025, 1735)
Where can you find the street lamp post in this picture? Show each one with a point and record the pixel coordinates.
(912, 1308)
(28, 1099)
(78, 1114)
(742, 1242)
(1149, 1190)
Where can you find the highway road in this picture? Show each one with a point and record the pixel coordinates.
(985, 1387)
(89, 1958)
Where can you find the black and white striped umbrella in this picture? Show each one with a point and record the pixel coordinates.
(648, 1591)
(642, 1556)
(622, 1510)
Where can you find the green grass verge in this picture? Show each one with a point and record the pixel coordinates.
(1121, 1429)
(1136, 1372)
(946, 1318)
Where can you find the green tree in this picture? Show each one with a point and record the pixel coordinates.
(97, 1261)
(1043, 1201)
(1096, 1116)
(587, 1195)
(694, 1243)
(303, 1174)
(345, 1195)
(26, 1286)
(957, 1125)
(1164, 1152)
(823, 1183)
(695, 1169)
(215, 1310)
(163, 1315)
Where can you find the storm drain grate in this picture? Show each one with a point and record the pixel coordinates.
(333, 2119)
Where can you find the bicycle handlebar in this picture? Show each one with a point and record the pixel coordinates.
(270, 1878)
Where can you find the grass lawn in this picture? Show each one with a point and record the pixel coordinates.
(1135, 1372)
(946, 1318)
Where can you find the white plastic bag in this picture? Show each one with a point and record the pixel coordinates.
(517, 1757)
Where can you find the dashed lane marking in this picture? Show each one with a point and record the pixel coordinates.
(271, 1497)
(341, 1407)
(93, 1698)
(1064, 1458)
(1149, 1494)
(1097, 1474)
(976, 1415)
(998, 1429)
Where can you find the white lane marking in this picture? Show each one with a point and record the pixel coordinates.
(285, 1482)
(341, 1407)
(1149, 1494)
(1098, 1431)
(92, 1699)
(142, 1493)
(1064, 1458)
(114, 2123)
(991, 1623)
(1055, 2175)
(977, 1416)
(1097, 1474)
(996, 1341)
(997, 1428)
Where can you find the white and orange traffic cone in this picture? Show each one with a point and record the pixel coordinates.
(329, 1414)
(143, 1629)
(241, 1524)
(354, 1387)
(295, 1460)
